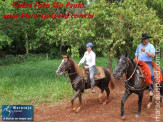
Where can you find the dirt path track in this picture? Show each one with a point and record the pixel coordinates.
(94, 112)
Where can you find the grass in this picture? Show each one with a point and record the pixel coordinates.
(34, 81)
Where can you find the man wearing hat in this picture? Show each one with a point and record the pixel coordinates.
(145, 52)
(89, 57)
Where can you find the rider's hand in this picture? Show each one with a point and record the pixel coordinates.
(86, 67)
(143, 49)
(136, 58)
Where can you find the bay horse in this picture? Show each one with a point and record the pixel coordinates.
(79, 84)
(134, 83)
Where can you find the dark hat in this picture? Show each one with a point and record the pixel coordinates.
(145, 36)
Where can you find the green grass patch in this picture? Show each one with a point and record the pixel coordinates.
(34, 81)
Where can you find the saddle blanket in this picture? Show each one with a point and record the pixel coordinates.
(147, 74)
(99, 74)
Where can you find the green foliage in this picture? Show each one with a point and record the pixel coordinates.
(158, 6)
(115, 25)
(129, 20)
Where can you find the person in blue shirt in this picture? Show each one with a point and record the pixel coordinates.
(145, 52)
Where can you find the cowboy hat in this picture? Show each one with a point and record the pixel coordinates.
(145, 36)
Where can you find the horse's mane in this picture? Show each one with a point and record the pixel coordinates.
(133, 62)
(78, 69)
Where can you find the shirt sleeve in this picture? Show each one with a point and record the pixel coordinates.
(83, 59)
(152, 49)
(137, 51)
(93, 60)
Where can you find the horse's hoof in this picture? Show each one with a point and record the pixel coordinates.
(74, 109)
(137, 115)
(78, 109)
(100, 98)
(100, 101)
(106, 101)
(149, 105)
(123, 117)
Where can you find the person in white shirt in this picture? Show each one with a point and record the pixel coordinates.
(90, 57)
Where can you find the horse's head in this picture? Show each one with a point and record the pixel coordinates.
(64, 66)
(121, 67)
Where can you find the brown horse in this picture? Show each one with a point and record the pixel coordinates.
(79, 84)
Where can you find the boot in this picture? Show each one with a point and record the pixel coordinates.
(92, 88)
(150, 87)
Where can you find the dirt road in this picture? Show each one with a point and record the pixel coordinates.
(92, 111)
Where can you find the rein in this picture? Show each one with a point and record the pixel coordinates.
(132, 72)
(134, 69)
(128, 87)
(69, 74)
(76, 81)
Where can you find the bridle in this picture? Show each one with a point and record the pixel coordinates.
(128, 87)
(64, 68)
(124, 69)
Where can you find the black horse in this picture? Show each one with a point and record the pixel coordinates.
(134, 82)
(78, 82)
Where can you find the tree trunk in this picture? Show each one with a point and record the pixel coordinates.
(26, 44)
(161, 55)
(60, 49)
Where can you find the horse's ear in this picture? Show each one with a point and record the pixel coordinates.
(119, 56)
(68, 57)
(64, 56)
(126, 54)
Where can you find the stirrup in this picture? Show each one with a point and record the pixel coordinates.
(92, 89)
(150, 87)
(141, 76)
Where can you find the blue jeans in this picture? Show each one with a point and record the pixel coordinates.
(152, 74)
(92, 72)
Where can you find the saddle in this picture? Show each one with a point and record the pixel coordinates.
(99, 74)
(145, 71)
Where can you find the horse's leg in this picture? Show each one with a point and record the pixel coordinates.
(139, 103)
(74, 97)
(126, 95)
(160, 99)
(161, 91)
(80, 101)
(150, 100)
(107, 97)
(100, 95)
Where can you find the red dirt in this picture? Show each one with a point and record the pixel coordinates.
(92, 111)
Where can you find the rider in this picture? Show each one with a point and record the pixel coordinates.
(148, 52)
(90, 57)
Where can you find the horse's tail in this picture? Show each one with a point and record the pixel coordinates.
(109, 67)
(111, 78)
(110, 61)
